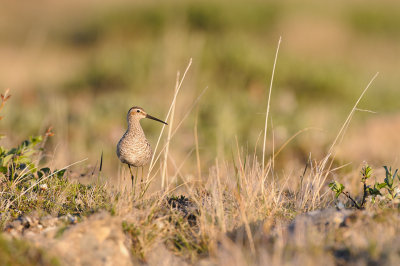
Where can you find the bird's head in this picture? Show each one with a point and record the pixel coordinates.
(137, 113)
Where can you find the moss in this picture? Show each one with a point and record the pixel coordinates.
(62, 197)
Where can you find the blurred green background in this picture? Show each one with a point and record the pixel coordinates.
(80, 65)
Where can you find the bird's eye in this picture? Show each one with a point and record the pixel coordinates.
(138, 111)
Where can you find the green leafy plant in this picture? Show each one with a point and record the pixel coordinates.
(371, 191)
(389, 184)
(27, 185)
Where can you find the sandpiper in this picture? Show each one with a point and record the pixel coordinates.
(133, 148)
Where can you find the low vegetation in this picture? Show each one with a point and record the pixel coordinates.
(28, 185)
(386, 192)
(243, 211)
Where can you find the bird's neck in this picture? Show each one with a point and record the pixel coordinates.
(134, 128)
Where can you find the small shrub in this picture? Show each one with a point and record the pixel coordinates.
(26, 186)
(389, 190)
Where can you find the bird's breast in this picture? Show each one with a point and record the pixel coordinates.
(133, 151)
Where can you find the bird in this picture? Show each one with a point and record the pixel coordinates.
(133, 148)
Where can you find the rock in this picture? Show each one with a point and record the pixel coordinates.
(160, 256)
(320, 220)
(22, 225)
(48, 221)
(71, 219)
(15, 225)
(97, 241)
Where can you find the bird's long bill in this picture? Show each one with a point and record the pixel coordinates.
(152, 117)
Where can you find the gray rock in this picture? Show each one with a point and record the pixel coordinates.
(320, 220)
(48, 221)
(161, 256)
(97, 241)
(71, 219)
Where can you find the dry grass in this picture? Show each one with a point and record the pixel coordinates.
(235, 210)
(222, 213)
(239, 212)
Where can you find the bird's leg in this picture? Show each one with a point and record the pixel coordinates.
(132, 177)
(141, 180)
(136, 176)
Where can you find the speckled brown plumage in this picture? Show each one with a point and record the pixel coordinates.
(133, 148)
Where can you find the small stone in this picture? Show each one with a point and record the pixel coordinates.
(48, 221)
(16, 225)
(72, 219)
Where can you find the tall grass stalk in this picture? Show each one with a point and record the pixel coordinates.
(221, 213)
(164, 175)
(168, 114)
(331, 152)
(342, 130)
(312, 184)
(196, 141)
(268, 106)
(194, 103)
